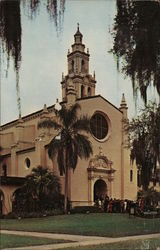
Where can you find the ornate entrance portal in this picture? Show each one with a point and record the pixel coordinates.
(100, 190)
(100, 178)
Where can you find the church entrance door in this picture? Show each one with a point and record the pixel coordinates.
(100, 190)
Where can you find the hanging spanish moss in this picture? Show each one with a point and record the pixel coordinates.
(10, 37)
(11, 31)
(136, 35)
(31, 7)
(56, 11)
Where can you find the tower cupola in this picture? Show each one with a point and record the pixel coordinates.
(78, 70)
(78, 36)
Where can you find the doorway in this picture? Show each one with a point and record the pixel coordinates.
(100, 190)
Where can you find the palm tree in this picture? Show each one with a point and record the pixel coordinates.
(71, 144)
(41, 191)
(43, 185)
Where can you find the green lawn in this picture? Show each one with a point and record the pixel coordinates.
(8, 240)
(101, 224)
(151, 244)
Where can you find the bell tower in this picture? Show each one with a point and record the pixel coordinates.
(78, 71)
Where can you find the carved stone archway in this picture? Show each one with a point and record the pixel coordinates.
(100, 168)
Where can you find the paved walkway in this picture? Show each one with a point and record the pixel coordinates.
(78, 240)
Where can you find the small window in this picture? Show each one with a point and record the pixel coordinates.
(131, 175)
(27, 162)
(4, 168)
(89, 91)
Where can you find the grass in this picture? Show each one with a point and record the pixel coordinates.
(8, 240)
(112, 225)
(151, 244)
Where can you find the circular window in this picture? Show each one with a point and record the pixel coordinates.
(27, 162)
(99, 126)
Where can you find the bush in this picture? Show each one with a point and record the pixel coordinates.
(85, 209)
(21, 215)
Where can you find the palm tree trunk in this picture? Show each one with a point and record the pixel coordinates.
(66, 184)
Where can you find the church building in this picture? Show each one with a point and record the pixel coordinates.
(107, 172)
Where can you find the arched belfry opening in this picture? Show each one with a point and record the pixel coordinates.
(82, 91)
(100, 190)
(82, 66)
(72, 65)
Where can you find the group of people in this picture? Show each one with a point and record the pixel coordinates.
(109, 205)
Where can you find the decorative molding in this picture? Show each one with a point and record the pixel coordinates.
(100, 167)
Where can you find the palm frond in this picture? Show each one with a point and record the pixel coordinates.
(84, 146)
(83, 124)
(68, 116)
(60, 160)
(72, 113)
(62, 115)
(72, 151)
(48, 123)
(53, 147)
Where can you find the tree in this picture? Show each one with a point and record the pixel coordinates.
(144, 132)
(41, 191)
(71, 143)
(136, 36)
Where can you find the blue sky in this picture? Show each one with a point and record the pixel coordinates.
(44, 58)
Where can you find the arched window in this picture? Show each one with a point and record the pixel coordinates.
(72, 65)
(131, 175)
(82, 91)
(4, 168)
(89, 91)
(82, 66)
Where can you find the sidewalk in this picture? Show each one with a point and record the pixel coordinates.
(78, 240)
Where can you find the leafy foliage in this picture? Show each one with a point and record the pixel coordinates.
(136, 35)
(151, 197)
(40, 192)
(71, 142)
(145, 141)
